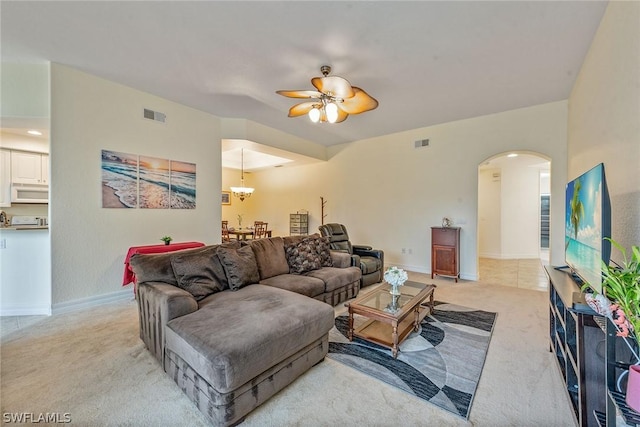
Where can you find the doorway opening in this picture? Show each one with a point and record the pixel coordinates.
(513, 219)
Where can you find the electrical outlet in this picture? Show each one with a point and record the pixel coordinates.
(404, 251)
(410, 251)
(3, 243)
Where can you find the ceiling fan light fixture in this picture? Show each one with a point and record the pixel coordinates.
(333, 100)
(314, 114)
(332, 112)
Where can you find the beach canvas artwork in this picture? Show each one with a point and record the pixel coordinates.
(183, 185)
(119, 179)
(130, 181)
(154, 183)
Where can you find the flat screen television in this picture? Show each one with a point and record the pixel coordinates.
(587, 223)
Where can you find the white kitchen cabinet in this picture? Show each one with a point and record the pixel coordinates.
(25, 272)
(5, 178)
(45, 168)
(29, 168)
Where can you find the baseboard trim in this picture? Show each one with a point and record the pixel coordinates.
(418, 269)
(415, 268)
(466, 276)
(509, 256)
(93, 301)
(27, 311)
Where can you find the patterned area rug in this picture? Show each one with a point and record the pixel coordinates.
(441, 363)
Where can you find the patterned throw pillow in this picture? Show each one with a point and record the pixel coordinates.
(323, 248)
(303, 256)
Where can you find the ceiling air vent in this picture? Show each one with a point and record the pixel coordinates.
(154, 115)
(421, 143)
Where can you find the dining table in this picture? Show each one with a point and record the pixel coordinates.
(244, 233)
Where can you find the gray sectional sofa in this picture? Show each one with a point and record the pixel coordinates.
(233, 324)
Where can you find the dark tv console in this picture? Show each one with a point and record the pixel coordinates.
(588, 353)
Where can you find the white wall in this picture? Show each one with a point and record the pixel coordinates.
(520, 212)
(604, 116)
(490, 213)
(389, 193)
(89, 243)
(25, 90)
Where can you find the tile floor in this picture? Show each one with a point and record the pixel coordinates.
(10, 324)
(517, 273)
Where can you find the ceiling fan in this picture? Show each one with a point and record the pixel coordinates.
(333, 101)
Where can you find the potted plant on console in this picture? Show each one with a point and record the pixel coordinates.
(167, 239)
(621, 289)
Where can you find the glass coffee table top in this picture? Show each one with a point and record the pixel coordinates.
(382, 300)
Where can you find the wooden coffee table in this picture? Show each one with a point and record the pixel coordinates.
(391, 318)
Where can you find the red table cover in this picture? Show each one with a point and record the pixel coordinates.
(129, 277)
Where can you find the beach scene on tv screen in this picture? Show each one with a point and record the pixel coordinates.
(583, 225)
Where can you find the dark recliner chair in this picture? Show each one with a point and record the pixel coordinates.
(370, 261)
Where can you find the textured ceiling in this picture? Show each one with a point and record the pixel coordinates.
(425, 62)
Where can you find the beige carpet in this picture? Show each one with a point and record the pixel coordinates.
(92, 365)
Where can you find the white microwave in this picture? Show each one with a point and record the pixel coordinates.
(29, 193)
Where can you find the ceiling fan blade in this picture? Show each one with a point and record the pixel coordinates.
(301, 109)
(299, 93)
(342, 115)
(333, 85)
(359, 103)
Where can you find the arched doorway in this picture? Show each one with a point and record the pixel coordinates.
(513, 219)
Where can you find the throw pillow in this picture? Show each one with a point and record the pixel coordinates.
(323, 248)
(270, 257)
(303, 256)
(154, 267)
(197, 272)
(240, 266)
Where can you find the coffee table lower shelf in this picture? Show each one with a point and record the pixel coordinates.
(381, 332)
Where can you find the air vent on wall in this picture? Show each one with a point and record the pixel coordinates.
(422, 143)
(154, 115)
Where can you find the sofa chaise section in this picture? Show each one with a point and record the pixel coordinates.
(242, 347)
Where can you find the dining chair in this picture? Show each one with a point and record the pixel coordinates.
(260, 230)
(225, 231)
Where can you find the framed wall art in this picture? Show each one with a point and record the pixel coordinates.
(226, 197)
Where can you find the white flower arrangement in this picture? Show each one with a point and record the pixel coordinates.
(395, 276)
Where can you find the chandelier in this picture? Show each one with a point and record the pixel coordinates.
(242, 192)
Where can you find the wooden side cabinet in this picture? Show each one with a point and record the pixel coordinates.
(445, 251)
